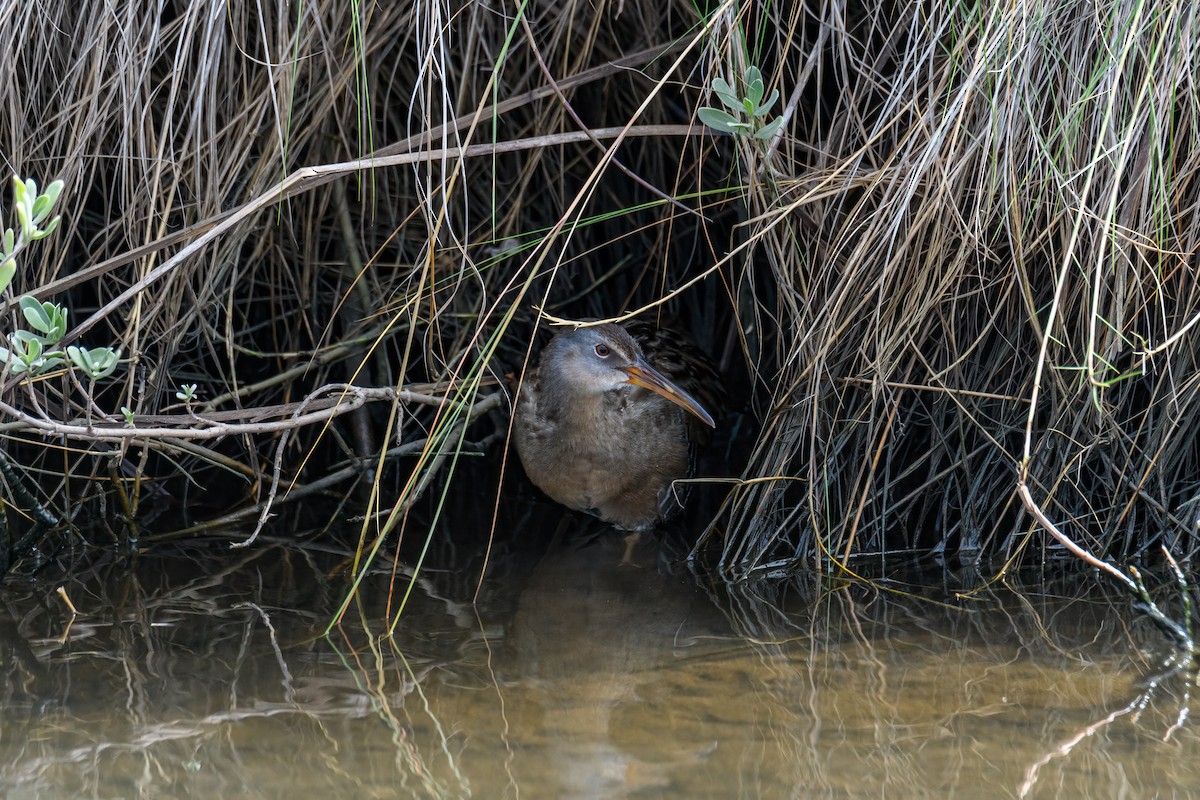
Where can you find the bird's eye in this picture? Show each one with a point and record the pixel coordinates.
(602, 350)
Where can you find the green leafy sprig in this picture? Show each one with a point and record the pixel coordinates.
(747, 113)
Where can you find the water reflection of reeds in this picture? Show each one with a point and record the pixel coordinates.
(882, 692)
(579, 675)
(216, 686)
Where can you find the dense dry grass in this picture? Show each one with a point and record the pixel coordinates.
(965, 267)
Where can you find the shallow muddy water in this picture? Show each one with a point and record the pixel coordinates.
(578, 676)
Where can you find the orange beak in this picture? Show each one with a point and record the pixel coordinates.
(642, 374)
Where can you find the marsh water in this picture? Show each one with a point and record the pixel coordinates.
(579, 671)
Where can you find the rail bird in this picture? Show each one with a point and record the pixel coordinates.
(608, 420)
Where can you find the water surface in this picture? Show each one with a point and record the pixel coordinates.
(578, 675)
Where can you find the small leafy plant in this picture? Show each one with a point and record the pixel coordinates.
(29, 354)
(97, 363)
(32, 351)
(32, 210)
(48, 319)
(749, 111)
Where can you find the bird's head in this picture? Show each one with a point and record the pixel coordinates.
(604, 358)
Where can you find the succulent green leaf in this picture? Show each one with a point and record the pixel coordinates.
(52, 358)
(752, 74)
(46, 231)
(80, 358)
(726, 94)
(8, 269)
(44, 203)
(720, 120)
(18, 191)
(41, 207)
(54, 190)
(763, 109)
(23, 217)
(58, 318)
(36, 314)
(768, 130)
(754, 93)
(33, 351)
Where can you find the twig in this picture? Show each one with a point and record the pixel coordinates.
(195, 427)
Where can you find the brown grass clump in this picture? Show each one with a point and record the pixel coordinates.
(988, 228)
(959, 281)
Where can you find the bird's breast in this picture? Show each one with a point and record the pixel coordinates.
(615, 458)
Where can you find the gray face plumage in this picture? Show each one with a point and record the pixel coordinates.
(591, 361)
